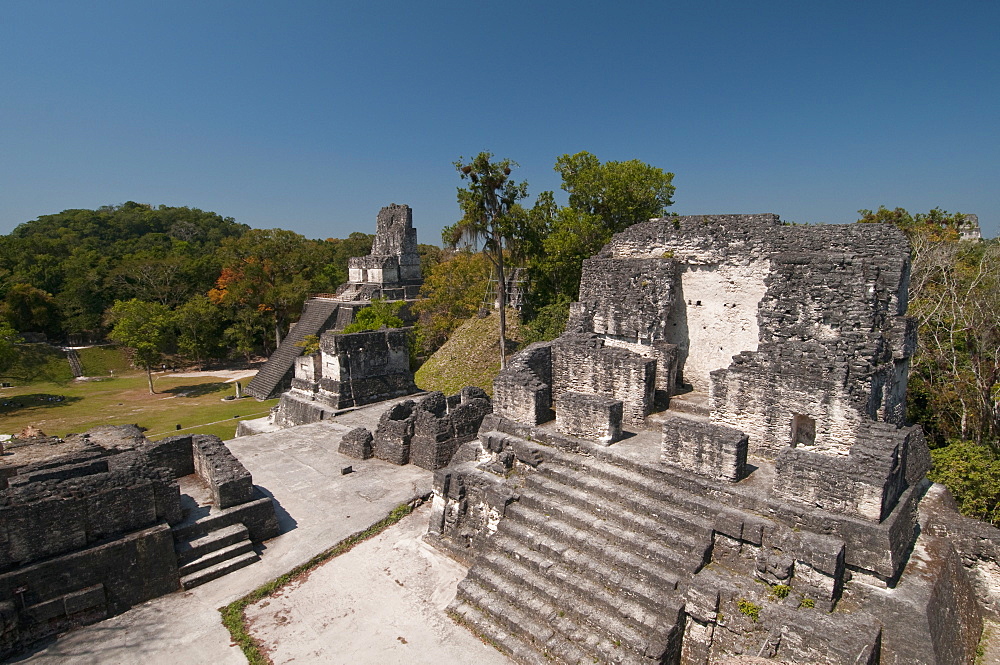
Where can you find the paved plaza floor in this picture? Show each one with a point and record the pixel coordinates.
(341, 614)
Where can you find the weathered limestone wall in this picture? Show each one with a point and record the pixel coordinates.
(523, 390)
(583, 364)
(715, 317)
(708, 450)
(394, 259)
(229, 480)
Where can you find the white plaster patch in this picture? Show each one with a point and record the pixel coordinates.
(715, 317)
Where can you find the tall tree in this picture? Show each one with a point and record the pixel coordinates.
(489, 215)
(142, 327)
(199, 329)
(9, 339)
(269, 271)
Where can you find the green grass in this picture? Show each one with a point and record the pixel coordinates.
(470, 357)
(38, 363)
(194, 403)
(102, 360)
(233, 616)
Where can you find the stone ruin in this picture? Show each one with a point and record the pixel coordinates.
(99, 522)
(349, 370)
(714, 461)
(425, 432)
(391, 272)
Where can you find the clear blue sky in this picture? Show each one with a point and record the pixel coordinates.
(312, 115)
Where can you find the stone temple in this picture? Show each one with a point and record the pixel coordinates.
(713, 461)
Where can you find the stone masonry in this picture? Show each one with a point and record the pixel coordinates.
(97, 523)
(764, 495)
(391, 272)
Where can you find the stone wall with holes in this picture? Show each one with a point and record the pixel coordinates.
(424, 432)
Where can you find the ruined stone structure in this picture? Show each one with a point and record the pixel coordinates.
(99, 522)
(424, 432)
(348, 371)
(391, 272)
(778, 507)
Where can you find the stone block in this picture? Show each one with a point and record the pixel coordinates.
(589, 417)
(357, 443)
(712, 451)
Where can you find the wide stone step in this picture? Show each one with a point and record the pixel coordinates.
(189, 550)
(558, 639)
(648, 479)
(490, 631)
(585, 602)
(635, 513)
(635, 599)
(218, 556)
(219, 569)
(585, 551)
(565, 617)
(608, 529)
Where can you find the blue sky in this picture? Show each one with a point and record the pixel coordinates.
(312, 115)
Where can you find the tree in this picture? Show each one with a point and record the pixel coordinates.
(379, 314)
(247, 327)
(9, 339)
(199, 329)
(30, 309)
(144, 328)
(451, 293)
(604, 199)
(487, 205)
(269, 271)
(619, 193)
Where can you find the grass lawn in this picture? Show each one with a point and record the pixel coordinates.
(193, 403)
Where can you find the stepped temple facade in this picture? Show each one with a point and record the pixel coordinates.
(713, 461)
(391, 272)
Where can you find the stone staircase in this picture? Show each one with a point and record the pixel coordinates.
(74, 361)
(271, 377)
(587, 566)
(203, 557)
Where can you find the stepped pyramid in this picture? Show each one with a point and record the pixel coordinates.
(713, 462)
(390, 272)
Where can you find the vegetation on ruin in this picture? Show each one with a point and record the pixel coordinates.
(470, 357)
(233, 616)
(379, 314)
(954, 386)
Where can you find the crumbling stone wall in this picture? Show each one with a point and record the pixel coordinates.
(425, 432)
(365, 367)
(394, 259)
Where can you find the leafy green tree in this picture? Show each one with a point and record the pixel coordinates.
(379, 314)
(451, 293)
(309, 344)
(972, 473)
(245, 331)
(489, 215)
(144, 328)
(619, 193)
(9, 339)
(269, 271)
(30, 309)
(199, 329)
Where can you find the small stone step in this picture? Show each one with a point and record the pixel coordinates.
(218, 556)
(504, 641)
(189, 550)
(630, 600)
(647, 478)
(219, 569)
